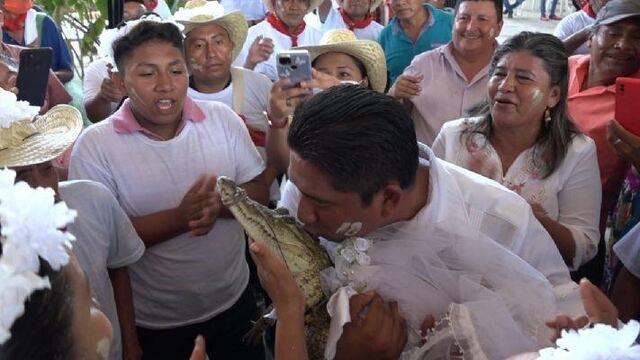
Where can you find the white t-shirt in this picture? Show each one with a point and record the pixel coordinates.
(186, 279)
(257, 89)
(571, 194)
(95, 73)
(310, 36)
(252, 9)
(105, 240)
(570, 25)
(334, 21)
(462, 201)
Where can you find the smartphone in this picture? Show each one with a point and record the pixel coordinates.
(33, 75)
(294, 65)
(628, 104)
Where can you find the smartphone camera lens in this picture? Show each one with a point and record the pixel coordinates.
(285, 60)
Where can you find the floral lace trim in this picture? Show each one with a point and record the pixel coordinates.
(349, 254)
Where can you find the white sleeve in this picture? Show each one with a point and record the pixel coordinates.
(126, 246)
(439, 146)
(535, 246)
(86, 162)
(290, 198)
(565, 28)
(628, 250)
(93, 77)
(579, 204)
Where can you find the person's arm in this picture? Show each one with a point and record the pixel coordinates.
(288, 301)
(197, 212)
(64, 75)
(626, 292)
(576, 229)
(574, 41)
(100, 91)
(560, 234)
(124, 305)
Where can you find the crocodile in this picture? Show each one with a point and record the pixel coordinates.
(303, 255)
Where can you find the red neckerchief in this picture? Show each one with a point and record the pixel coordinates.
(284, 29)
(355, 24)
(151, 5)
(589, 10)
(15, 24)
(258, 137)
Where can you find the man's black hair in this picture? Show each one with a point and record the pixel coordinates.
(497, 4)
(143, 33)
(361, 139)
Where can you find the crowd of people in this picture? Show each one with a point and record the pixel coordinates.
(477, 197)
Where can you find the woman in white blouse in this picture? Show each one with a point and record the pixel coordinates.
(525, 141)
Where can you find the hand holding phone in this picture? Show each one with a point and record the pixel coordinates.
(294, 65)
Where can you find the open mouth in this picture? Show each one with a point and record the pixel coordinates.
(165, 104)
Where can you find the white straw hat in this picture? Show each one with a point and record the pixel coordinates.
(201, 12)
(25, 140)
(374, 4)
(368, 52)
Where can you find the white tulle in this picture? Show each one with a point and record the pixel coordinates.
(601, 342)
(13, 110)
(31, 223)
(489, 302)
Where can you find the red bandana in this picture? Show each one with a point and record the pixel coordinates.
(15, 24)
(284, 29)
(589, 10)
(151, 4)
(355, 24)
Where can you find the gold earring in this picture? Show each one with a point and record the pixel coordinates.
(547, 116)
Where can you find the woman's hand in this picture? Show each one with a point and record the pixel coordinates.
(284, 99)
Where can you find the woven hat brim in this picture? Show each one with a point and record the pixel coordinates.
(368, 52)
(234, 23)
(313, 4)
(56, 131)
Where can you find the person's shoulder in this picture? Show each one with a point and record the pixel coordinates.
(217, 114)
(429, 55)
(258, 28)
(440, 15)
(576, 60)
(459, 125)
(582, 145)
(85, 191)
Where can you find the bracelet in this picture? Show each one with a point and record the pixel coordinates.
(276, 124)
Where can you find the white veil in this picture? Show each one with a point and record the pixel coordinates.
(490, 303)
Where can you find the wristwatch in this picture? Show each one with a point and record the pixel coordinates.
(280, 124)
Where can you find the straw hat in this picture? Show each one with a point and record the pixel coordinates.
(312, 5)
(201, 12)
(366, 51)
(25, 142)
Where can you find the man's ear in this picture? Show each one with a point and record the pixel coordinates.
(391, 195)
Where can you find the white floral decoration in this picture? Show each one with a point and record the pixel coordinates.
(601, 342)
(351, 253)
(13, 110)
(31, 223)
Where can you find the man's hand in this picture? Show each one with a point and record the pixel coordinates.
(200, 206)
(260, 50)
(599, 309)
(276, 279)
(406, 86)
(625, 143)
(378, 333)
